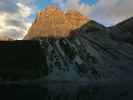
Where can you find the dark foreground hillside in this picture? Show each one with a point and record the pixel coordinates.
(21, 60)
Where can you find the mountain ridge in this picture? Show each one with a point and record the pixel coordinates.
(123, 31)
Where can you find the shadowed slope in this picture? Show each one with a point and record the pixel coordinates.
(123, 31)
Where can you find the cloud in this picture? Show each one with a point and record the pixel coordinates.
(74, 4)
(107, 12)
(5, 7)
(112, 12)
(14, 18)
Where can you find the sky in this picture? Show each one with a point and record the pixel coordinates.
(16, 16)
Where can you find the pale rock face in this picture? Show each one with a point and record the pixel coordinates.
(52, 22)
(75, 18)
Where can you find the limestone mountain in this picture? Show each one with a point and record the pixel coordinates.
(52, 22)
(90, 54)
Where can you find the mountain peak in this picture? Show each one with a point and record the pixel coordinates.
(73, 12)
(51, 7)
(52, 22)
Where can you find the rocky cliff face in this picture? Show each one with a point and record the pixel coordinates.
(52, 22)
(88, 56)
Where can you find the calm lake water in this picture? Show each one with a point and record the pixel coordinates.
(110, 90)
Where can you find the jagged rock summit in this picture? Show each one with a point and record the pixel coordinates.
(52, 22)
